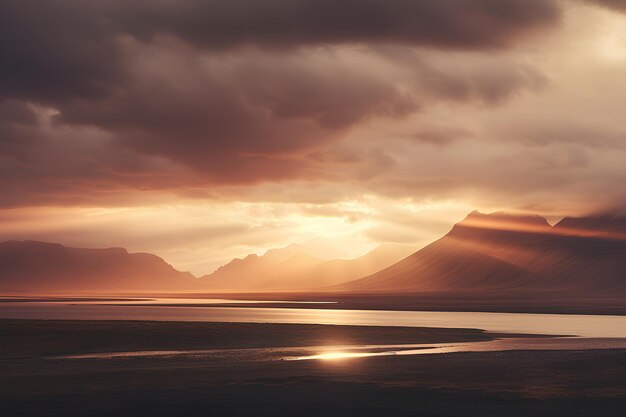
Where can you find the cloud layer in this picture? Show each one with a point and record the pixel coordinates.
(228, 92)
(504, 104)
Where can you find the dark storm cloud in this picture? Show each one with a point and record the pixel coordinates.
(224, 23)
(55, 48)
(239, 118)
(254, 116)
(613, 4)
(73, 46)
(163, 94)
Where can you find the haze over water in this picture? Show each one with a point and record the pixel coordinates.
(593, 326)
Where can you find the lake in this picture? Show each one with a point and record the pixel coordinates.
(588, 326)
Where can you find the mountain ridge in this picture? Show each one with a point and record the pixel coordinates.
(502, 252)
(483, 252)
(49, 267)
(286, 269)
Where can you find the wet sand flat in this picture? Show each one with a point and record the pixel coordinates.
(509, 383)
(24, 338)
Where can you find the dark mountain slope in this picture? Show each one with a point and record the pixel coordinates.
(44, 267)
(501, 252)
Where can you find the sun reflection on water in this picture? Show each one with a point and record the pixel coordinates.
(339, 355)
(331, 356)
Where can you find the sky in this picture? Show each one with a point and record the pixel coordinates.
(206, 130)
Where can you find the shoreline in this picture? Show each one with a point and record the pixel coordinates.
(515, 303)
(34, 337)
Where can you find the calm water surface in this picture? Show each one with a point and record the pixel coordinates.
(587, 326)
(338, 352)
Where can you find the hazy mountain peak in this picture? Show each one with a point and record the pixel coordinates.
(31, 244)
(41, 266)
(294, 267)
(504, 252)
(607, 222)
(478, 224)
(505, 217)
(284, 253)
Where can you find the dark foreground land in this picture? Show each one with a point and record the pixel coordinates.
(41, 338)
(227, 380)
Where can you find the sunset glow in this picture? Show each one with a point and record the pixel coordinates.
(376, 138)
(324, 208)
(340, 356)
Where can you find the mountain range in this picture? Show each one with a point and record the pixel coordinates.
(292, 269)
(484, 253)
(50, 267)
(503, 252)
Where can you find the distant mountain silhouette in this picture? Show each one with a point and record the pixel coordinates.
(291, 268)
(607, 225)
(49, 267)
(485, 253)
(502, 252)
